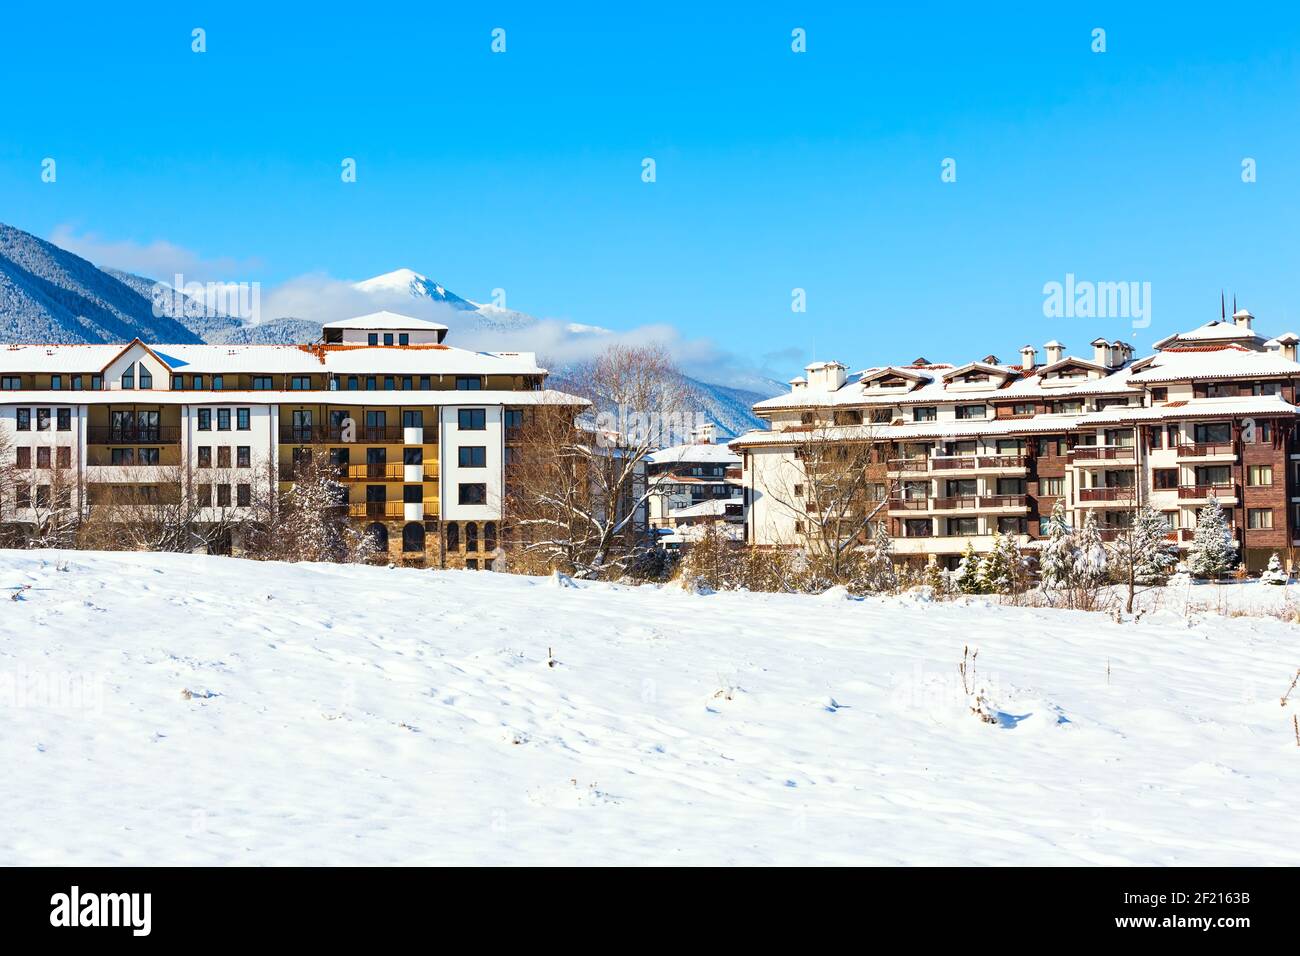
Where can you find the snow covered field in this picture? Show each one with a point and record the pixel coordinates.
(180, 709)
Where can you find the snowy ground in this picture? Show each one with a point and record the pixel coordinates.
(368, 715)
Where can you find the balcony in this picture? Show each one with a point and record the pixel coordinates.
(1080, 453)
(391, 471)
(1003, 461)
(1207, 450)
(377, 509)
(133, 435)
(953, 463)
(389, 434)
(909, 504)
(956, 503)
(1120, 493)
(1205, 492)
(908, 465)
(1003, 502)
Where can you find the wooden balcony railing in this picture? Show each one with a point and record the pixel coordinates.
(1101, 452)
(1208, 491)
(376, 509)
(1004, 501)
(955, 502)
(312, 434)
(1116, 493)
(1202, 449)
(133, 434)
(1003, 461)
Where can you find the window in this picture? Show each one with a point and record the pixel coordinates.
(412, 494)
(223, 456)
(453, 536)
(371, 383)
(1159, 394)
(473, 494)
(262, 383)
(24, 457)
(403, 338)
(1155, 437)
(146, 377)
(412, 418)
(471, 536)
(198, 381)
(1257, 475)
(23, 496)
(1263, 433)
(23, 421)
(390, 383)
(1259, 519)
(927, 413)
(490, 536)
(244, 456)
(244, 419)
(514, 418)
(881, 416)
(11, 383)
(148, 456)
(205, 456)
(43, 457)
(1264, 388)
(243, 495)
(918, 528)
(388, 338)
(178, 382)
(122, 456)
(63, 420)
(1166, 479)
(849, 417)
(472, 419)
(468, 383)
(413, 538)
(471, 564)
(413, 456)
(42, 419)
(56, 383)
(1013, 525)
(128, 376)
(372, 338)
(223, 419)
(1022, 408)
(223, 496)
(1052, 487)
(78, 383)
(205, 420)
(425, 383)
(970, 411)
(64, 457)
(353, 383)
(960, 526)
(473, 456)
(1213, 433)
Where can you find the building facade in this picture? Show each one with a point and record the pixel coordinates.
(419, 432)
(965, 451)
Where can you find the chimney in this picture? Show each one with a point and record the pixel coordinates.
(1101, 353)
(1242, 318)
(798, 384)
(1121, 351)
(1028, 358)
(1055, 352)
(825, 376)
(1287, 341)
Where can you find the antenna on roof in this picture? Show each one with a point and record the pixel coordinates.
(1223, 312)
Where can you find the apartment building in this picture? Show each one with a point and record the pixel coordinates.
(971, 449)
(420, 432)
(692, 475)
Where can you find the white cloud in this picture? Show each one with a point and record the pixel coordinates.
(158, 259)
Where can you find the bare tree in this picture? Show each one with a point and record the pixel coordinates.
(576, 491)
(833, 487)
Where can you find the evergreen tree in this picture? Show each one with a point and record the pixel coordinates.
(1001, 571)
(1090, 566)
(1274, 574)
(1152, 555)
(881, 575)
(966, 578)
(1056, 562)
(1213, 552)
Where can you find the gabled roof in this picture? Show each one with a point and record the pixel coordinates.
(1219, 330)
(972, 366)
(132, 344)
(903, 371)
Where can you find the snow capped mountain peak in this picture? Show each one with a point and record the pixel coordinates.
(410, 282)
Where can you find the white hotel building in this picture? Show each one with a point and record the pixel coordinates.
(421, 431)
(975, 448)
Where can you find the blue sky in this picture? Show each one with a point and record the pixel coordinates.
(775, 170)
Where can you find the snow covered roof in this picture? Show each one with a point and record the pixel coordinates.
(386, 320)
(714, 507)
(278, 359)
(1228, 361)
(1263, 406)
(159, 396)
(1220, 330)
(698, 452)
